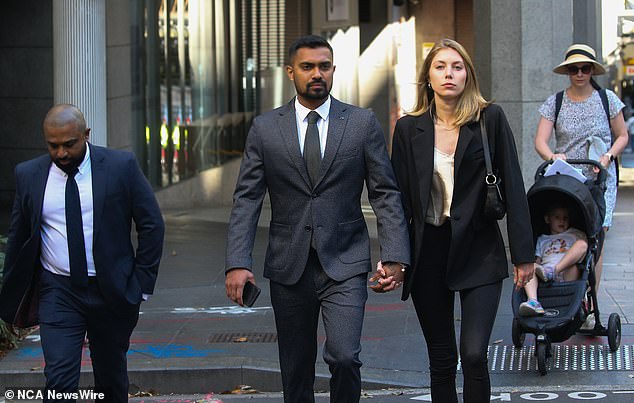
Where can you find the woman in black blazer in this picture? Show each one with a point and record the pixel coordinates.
(438, 160)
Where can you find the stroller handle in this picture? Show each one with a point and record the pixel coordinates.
(601, 178)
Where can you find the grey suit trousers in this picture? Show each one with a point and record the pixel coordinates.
(297, 310)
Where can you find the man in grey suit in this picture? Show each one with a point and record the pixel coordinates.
(313, 155)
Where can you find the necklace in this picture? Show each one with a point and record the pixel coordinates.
(442, 124)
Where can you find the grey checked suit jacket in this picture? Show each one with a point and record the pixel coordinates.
(355, 153)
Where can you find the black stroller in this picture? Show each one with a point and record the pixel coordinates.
(566, 304)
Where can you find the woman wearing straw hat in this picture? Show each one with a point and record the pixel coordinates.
(582, 118)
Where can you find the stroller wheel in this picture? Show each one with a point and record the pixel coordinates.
(542, 358)
(614, 332)
(517, 335)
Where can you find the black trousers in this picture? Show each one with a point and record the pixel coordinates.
(434, 304)
(297, 310)
(67, 314)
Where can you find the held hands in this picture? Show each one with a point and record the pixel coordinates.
(234, 284)
(388, 277)
(522, 274)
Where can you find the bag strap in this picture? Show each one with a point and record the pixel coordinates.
(490, 178)
(606, 105)
(604, 101)
(559, 97)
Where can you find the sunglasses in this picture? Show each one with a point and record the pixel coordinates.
(585, 69)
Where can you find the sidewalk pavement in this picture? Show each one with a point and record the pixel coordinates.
(191, 339)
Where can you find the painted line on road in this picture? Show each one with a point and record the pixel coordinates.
(537, 395)
(212, 310)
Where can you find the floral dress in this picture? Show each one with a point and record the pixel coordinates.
(576, 123)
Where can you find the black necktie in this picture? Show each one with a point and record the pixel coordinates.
(75, 234)
(312, 150)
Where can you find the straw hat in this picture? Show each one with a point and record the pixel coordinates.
(579, 53)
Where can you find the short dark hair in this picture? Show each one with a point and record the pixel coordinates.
(307, 41)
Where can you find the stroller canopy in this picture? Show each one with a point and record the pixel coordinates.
(585, 203)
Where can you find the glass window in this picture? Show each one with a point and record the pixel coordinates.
(203, 70)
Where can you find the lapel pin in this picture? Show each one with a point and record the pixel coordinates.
(341, 118)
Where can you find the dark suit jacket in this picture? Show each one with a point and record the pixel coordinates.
(121, 194)
(477, 255)
(355, 153)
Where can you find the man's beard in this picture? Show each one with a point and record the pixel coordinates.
(322, 93)
(70, 166)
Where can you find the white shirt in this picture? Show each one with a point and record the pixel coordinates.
(552, 248)
(443, 167)
(54, 256)
(301, 114)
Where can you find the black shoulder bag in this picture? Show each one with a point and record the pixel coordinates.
(494, 207)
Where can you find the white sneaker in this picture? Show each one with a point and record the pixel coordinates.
(589, 323)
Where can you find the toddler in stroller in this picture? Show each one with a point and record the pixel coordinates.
(557, 255)
(564, 304)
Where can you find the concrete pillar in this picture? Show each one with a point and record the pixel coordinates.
(546, 34)
(587, 24)
(517, 44)
(79, 61)
(588, 27)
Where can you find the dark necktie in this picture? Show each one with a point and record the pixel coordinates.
(312, 150)
(75, 234)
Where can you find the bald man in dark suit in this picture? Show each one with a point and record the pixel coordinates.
(70, 250)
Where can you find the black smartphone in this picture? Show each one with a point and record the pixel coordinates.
(250, 293)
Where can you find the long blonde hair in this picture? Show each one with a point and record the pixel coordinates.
(471, 101)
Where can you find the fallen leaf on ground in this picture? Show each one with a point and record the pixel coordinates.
(144, 393)
(241, 390)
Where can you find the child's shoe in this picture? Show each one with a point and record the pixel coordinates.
(531, 307)
(545, 273)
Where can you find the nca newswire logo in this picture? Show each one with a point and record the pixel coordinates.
(21, 393)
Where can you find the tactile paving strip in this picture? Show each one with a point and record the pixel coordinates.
(505, 358)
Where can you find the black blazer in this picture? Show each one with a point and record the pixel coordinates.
(121, 194)
(477, 255)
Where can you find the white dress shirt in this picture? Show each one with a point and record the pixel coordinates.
(54, 256)
(301, 114)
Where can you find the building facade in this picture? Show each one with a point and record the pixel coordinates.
(178, 82)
